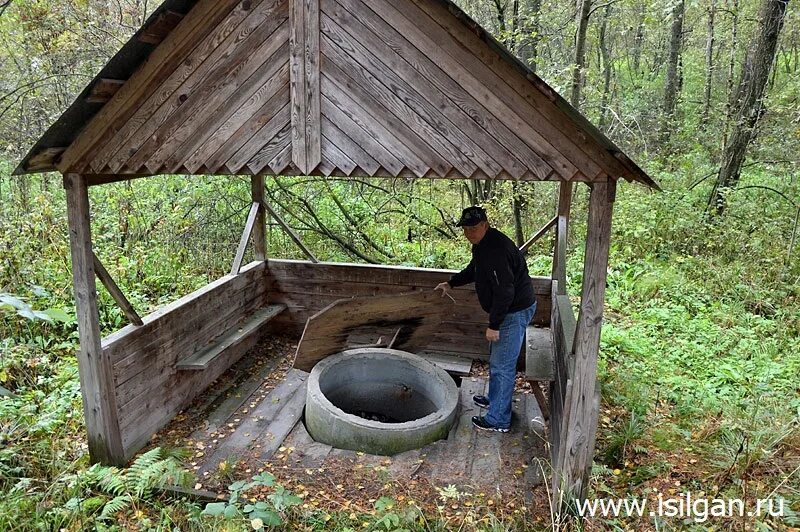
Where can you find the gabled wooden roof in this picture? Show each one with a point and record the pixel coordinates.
(346, 87)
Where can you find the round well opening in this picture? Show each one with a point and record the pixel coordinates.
(381, 401)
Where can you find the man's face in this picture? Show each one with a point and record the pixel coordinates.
(475, 233)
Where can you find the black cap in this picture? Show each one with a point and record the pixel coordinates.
(472, 216)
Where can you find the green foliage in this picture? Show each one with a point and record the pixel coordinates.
(269, 513)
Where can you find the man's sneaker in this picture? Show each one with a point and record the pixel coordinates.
(481, 401)
(481, 423)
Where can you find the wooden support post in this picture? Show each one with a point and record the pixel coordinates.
(304, 38)
(115, 292)
(539, 234)
(260, 228)
(562, 231)
(94, 367)
(289, 231)
(248, 230)
(581, 404)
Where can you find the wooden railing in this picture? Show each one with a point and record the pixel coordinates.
(563, 324)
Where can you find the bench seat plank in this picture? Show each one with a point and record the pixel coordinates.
(202, 359)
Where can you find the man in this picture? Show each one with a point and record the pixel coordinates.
(504, 290)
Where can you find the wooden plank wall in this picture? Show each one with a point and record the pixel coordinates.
(149, 390)
(307, 288)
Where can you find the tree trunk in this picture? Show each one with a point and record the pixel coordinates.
(529, 42)
(517, 200)
(580, 52)
(605, 55)
(638, 38)
(734, 10)
(671, 84)
(712, 9)
(748, 103)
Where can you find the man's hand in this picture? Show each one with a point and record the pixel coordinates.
(444, 287)
(492, 335)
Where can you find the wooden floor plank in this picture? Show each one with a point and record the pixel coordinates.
(450, 461)
(455, 365)
(238, 443)
(308, 453)
(292, 412)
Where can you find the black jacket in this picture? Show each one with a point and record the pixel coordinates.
(500, 275)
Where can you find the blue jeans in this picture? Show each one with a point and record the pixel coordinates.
(503, 365)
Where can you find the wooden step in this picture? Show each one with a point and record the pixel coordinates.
(539, 364)
(200, 360)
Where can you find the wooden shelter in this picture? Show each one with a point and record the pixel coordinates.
(379, 88)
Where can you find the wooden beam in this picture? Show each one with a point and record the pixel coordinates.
(291, 232)
(115, 291)
(94, 367)
(248, 230)
(580, 404)
(562, 232)
(158, 30)
(45, 159)
(539, 234)
(260, 228)
(104, 90)
(304, 39)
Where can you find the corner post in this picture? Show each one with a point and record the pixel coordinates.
(95, 369)
(260, 228)
(583, 401)
(562, 231)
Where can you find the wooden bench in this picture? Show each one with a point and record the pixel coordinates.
(201, 359)
(539, 363)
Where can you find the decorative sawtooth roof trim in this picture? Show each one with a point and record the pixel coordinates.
(44, 155)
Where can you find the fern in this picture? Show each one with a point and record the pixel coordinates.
(117, 504)
(113, 481)
(152, 469)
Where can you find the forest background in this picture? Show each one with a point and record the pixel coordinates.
(700, 351)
